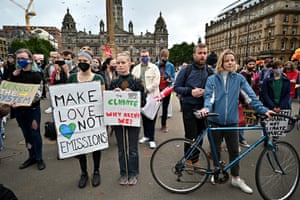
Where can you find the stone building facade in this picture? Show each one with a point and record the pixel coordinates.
(125, 40)
(257, 28)
(3, 49)
(20, 33)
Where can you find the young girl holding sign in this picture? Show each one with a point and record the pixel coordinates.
(128, 161)
(85, 75)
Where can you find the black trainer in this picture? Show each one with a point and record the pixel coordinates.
(27, 163)
(41, 164)
(83, 180)
(96, 179)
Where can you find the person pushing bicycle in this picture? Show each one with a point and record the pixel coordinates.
(221, 96)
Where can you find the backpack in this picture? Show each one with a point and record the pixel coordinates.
(50, 131)
(189, 70)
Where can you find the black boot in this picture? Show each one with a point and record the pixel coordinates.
(96, 178)
(83, 180)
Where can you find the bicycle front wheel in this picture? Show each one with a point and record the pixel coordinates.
(171, 171)
(277, 179)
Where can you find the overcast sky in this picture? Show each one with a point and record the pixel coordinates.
(185, 19)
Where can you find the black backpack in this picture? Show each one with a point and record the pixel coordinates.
(188, 70)
(6, 194)
(50, 131)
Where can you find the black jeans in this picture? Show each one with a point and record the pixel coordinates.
(193, 127)
(83, 161)
(232, 143)
(149, 127)
(165, 105)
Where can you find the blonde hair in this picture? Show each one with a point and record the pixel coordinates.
(220, 63)
(125, 54)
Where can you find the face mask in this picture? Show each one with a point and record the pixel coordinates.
(288, 67)
(23, 63)
(277, 71)
(83, 66)
(60, 62)
(10, 60)
(145, 59)
(69, 62)
(95, 65)
(163, 61)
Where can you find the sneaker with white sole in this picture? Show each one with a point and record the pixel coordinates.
(143, 140)
(152, 145)
(239, 183)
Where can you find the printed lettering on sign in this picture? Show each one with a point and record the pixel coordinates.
(122, 108)
(78, 116)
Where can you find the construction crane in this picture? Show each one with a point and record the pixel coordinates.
(28, 14)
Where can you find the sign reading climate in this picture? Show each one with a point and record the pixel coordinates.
(78, 116)
(122, 108)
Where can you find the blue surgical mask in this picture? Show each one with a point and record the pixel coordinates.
(23, 62)
(69, 62)
(277, 71)
(145, 59)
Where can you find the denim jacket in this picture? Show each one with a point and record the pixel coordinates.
(169, 71)
(224, 100)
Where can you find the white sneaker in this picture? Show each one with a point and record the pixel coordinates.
(48, 110)
(212, 180)
(143, 140)
(152, 145)
(239, 183)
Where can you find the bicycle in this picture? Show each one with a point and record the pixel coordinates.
(277, 169)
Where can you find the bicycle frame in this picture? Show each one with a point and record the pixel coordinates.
(264, 138)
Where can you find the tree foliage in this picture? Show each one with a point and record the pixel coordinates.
(35, 45)
(180, 53)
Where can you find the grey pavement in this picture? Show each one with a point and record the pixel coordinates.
(59, 180)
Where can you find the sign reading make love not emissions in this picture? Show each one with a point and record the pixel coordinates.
(78, 116)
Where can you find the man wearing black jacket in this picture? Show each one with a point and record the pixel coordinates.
(190, 84)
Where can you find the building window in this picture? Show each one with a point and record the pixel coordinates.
(284, 30)
(286, 18)
(268, 47)
(270, 33)
(292, 45)
(295, 18)
(283, 45)
(270, 20)
(294, 30)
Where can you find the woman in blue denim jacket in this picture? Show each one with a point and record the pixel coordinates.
(222, 96)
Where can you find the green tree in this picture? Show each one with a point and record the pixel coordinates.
(180, 53)
(35, 45)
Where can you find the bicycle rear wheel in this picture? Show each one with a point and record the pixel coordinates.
(277, 181)
(170, 171)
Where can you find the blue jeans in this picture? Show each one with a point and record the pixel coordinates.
(33, 139)
(127, 139)
(241, 136)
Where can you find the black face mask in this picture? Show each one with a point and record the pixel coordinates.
(84, 66)
(60, 62)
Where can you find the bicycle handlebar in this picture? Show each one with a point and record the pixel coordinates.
(200, 116)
